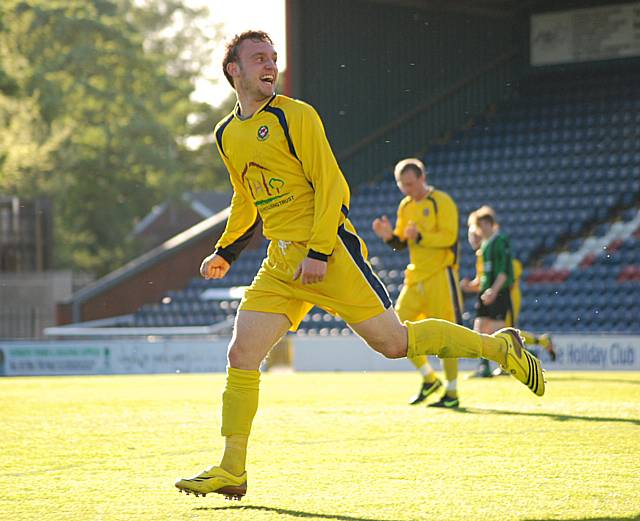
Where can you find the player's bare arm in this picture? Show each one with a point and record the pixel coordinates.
(470, 286)
(214, 267)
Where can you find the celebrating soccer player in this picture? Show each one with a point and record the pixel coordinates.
(284, 173)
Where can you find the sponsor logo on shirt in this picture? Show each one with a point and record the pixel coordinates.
(263, 187)
(263, 133)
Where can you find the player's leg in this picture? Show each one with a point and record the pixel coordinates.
(360, 298)
(444, 300)
(386, 335)
(408, 307)
(546, 342)
(450, 398)
(255, 333)
(486, 326)
(490, 318)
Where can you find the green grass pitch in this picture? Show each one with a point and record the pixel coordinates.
(327, 446)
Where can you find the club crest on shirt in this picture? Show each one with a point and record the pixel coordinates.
(263, 133)
(425, 212)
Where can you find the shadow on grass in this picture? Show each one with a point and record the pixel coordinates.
(632, 518)
(559, 378)
(557, 417)
(293, 513)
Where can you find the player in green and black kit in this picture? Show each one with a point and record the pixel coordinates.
(494, 297)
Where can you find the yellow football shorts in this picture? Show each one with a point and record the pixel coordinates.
(350, 289)
(438, 296)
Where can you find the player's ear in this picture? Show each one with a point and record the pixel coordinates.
(232, 68)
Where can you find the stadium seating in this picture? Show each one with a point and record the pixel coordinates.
(601, 285)
(558, 163)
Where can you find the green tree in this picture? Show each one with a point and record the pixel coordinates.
(94, 113)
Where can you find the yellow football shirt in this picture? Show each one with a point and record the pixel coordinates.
(436, 217)
(282, 168)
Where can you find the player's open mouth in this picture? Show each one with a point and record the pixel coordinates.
(268, 79)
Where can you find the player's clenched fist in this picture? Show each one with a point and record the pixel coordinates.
(382, 228)
(214, 267)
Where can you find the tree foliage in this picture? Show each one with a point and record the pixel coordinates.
(95, 113)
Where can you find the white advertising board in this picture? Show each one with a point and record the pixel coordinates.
(575, 352)
(588, 34)
(112, 357)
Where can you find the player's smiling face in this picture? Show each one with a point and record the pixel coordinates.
(257, 70)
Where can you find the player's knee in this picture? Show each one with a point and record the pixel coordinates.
(392, 345)
(393, 350)
(238, 355)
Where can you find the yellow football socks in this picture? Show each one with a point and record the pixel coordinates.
(543, 340)
(421, 363)
(234, 458)
(447, 340)
(529, 338)
(239, 406)
(450, 366)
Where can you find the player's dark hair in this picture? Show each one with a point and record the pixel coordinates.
(486, 217)
(231, 49)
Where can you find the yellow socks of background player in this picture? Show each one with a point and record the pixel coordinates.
(529, 338)
(421, 363)
(239, 406)
(447, 340)
(450, 367)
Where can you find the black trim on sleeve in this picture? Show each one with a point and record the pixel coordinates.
(435, 204)
(396, 244)
(219, 133)
(232, 252)
(313, 254)
(418, 238)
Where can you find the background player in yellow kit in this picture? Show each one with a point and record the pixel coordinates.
(284, 173)
(427, 224)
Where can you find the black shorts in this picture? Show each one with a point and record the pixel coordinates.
(498, 310)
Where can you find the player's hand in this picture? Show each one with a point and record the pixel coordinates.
(465, 285)
(311, 271)
(488, 297)
(214, 267)
(411, 231)
(382, 228)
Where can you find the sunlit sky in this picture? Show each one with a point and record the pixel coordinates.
(237, 16)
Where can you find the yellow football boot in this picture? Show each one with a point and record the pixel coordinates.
(215, 480)
(520, 363)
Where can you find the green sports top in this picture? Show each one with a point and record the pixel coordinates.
(496, 259)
